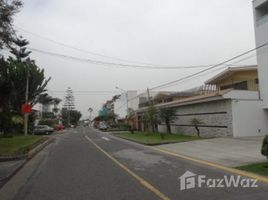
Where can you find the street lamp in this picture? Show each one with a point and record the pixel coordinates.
(126, 96)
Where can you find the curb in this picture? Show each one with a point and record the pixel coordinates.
(38, 148)
(27, 157)
(260, 178)
(150, 144)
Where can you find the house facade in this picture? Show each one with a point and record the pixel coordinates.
(230, 106)
(260, 8)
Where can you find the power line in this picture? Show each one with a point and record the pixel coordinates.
(202, 71)
(100, 62)
(223, 67)
(147, 65)
(193, 75)
(86, 91)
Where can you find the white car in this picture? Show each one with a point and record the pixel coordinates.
(103, 126)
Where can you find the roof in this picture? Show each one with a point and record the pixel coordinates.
(214, 96)
(230, 71)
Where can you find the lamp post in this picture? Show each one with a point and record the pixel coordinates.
(126, 96)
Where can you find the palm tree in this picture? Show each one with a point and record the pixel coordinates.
(56, 102)
(196, 122)
(45, 100)
(167, 115)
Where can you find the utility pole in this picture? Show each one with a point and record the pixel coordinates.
(149, 98)
(26, 115)
(127, 103)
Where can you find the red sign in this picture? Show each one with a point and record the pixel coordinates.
(26, 108)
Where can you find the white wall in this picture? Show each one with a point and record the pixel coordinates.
(261, 32)
(242, 94)
(120, 106)
(249, 118)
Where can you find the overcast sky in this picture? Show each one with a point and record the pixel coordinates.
(163, 32)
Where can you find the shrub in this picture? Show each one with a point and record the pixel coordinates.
(264, 149)
(49, 122)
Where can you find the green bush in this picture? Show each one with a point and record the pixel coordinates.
(49, 122)
(264, 149)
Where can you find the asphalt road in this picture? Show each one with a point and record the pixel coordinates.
(87, 164)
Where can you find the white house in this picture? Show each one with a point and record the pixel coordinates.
(260, 8)
(126, 100)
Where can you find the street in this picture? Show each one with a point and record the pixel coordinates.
(87, 164)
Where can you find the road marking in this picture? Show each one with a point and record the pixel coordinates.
(137, 177)
(105, 138)
(214, 165)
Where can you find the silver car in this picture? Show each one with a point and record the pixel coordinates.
(43, 129)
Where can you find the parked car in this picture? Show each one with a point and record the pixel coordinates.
(103, 127)
(42, 129)
(59, 127)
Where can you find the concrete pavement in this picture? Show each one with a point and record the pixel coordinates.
(230, 152)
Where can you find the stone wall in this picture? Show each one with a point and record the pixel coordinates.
(215, 115)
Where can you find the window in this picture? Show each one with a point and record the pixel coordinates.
(237, 86)
(262, 11)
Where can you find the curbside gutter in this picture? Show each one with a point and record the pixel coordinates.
(38, 148)
(26, 157)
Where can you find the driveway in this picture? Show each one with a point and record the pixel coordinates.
(230, 152)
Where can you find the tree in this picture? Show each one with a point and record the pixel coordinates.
(264, 149)
(68, 105)
(5, 85)
(19, 51)
(150, 118)
(167, 115)
(115, 97)
(69, 99)
(8, 8)
(196, 123)
(45, 100)
(56, 102)
(13, 77)
(20, 65)
(70, 116)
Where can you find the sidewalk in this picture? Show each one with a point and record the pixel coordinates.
(7, 169)
(229, 152)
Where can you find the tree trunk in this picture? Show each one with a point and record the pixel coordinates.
(168, 127)
(153, 129)
(198, 131)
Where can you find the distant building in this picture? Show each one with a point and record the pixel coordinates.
(121, 104)
(261, 32)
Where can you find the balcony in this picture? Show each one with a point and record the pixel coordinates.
(262, 20)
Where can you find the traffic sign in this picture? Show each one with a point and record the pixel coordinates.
(26, 108)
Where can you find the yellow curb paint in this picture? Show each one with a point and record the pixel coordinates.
(138, 178)
(218, 166)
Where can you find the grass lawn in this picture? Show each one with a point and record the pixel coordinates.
(154, 138)
(17, 145)
(257, 168)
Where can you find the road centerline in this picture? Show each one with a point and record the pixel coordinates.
(142, 181)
